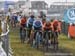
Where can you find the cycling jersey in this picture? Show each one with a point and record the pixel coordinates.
(47, 26)
(23, 22)
(37, 24)
(55, 25)
(30, 21)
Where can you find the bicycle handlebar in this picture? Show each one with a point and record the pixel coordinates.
(47, 31)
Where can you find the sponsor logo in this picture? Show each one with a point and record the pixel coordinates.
(71, 14)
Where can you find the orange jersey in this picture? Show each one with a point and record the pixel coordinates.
(47, 26)
(23, 21)
(55, 25)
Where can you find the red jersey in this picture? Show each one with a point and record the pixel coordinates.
(47, 26)
(55, 25)
(23, 21)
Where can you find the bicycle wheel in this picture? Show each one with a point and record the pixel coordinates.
(55, 44)
(37, 40)
(45, 42)
(23, 35)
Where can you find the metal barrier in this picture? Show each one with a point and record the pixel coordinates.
(5, 40)
(65, 28)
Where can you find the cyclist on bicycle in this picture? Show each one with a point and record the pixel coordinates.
(55, 31)
(37, 25)
(47, 28)
(22, 25)
(30, 24)
(55, 26)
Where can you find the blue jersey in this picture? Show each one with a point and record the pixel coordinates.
(37, 24)
(30, 21)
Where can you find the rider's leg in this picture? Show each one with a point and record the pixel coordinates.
(41, 35)
(35, 35)
(21, 33)
(49, 37)
(52, 37)
(34, 38)
(44, 35)
(24, 36)
(29, 32)
(56, 37)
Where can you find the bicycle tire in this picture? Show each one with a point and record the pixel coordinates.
(55, 44)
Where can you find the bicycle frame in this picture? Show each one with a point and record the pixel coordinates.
(47, 40)
(55, 41)
(37, 39)
(23, 35)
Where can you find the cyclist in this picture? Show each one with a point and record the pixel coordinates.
(47, 27)
(30, 24)
(37, 26)
(22, 27)
(55, 26)
(55, 33)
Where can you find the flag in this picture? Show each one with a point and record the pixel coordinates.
(69, 15)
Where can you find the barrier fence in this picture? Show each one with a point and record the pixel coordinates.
(65, 28)
(4, 38)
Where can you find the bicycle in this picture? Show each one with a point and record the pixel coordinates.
(55, 40)
(46, 40)
(28, 35)
(23, 35)
(38, 39)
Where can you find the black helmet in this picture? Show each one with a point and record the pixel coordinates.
(32, 16)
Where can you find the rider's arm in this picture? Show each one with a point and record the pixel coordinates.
(43, 26)
(33, 26)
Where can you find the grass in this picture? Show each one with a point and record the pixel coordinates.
(67, 44)
(19, 49)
